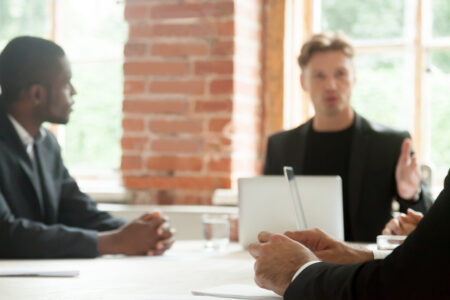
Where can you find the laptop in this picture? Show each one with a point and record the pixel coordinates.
(266, 204)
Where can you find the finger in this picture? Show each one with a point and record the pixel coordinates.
(386, 231)
(264, 236)
(254, 249)
(163, 246)
(394, 226)
(150, 216)
(415, 214)
(155, 224)
(164, 230)
(414, 164)
(405, 151)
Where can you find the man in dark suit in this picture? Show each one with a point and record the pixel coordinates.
(43, 214)
(373, 161)
(417, 269)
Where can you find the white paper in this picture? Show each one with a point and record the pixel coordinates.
(239, 291)
(34, 273)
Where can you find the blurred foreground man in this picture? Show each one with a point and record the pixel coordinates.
(43, 214)
(374, 161)
(291, 265)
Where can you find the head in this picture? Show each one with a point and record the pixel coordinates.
(326, 62)
(35, 75)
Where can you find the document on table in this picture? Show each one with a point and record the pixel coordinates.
(36, 273)
(238, 291)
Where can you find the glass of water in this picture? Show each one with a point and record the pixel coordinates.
(216, 231)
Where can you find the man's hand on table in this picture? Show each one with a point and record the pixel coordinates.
(403, 224)
(148, 235)
(329, 249)
(277, 260)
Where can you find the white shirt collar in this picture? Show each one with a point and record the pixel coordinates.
(24, 136)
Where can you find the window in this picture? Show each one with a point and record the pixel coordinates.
(92, 32)
(402, 67)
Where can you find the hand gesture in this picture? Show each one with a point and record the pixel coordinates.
(407, 173)
(403, 224)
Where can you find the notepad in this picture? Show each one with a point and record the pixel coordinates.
(238, 291)
(34, 273)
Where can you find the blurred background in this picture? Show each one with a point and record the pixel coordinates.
(176, 98)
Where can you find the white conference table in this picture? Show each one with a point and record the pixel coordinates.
(186, 267)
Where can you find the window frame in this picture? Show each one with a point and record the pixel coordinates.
(417, 40)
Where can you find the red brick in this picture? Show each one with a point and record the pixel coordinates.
(185, 183)
(201, 29)
(178, 87)
(222, 48)
(175, 163)
(175, 126)
(213, 106)
(221, 86)
(226, 28)
(135, 12)
(192, 10)
(155, 68)
(176, 145)
(133, 87)
(134, 143)
(218, 125)
(135, 49)
(129, 124)
(220, 165)
(155, 106)
(131, 162)
(177, 49)
(213, 67)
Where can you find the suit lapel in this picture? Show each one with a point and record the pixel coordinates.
(358, 160)
(49, 194)
(12, 140)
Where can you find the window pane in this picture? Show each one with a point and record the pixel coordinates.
(23, 17)
(379, 94)
(92, 29)
(369, 19)
(93, 133)
(440, 110)
(441, 17)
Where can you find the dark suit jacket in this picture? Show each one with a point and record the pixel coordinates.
(418, 269)
(62, 222)
(371, 180)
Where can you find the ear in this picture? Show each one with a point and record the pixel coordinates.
(303, 82)
(38, 94)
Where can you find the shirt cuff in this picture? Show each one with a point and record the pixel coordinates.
(302, 268)
(381, 254)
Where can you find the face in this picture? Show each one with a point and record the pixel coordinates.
(59, 95)
(329, 79)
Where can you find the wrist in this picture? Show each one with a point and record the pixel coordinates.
(107, 243)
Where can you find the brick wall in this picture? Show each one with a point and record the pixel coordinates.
(192, 98)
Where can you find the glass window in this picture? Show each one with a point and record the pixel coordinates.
(369, 19)
(93, 33)
(23, 17)
(379, 93)
(441, 17)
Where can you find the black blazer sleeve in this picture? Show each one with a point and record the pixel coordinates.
(79, 210)
(25, 238)
(418, 269)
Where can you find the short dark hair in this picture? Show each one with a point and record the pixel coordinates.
(327, 41)
(26, 61)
